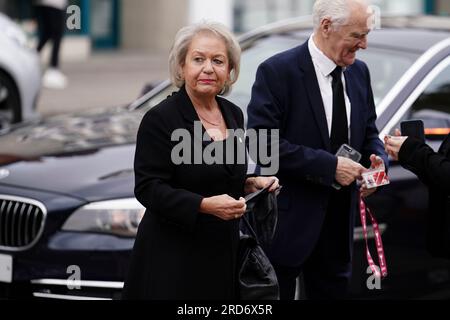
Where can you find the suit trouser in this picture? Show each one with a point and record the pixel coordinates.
(51, 27)
(327, 270)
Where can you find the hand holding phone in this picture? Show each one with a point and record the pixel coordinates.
(346, 151)
(413, 128)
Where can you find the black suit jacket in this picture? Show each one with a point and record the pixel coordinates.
(432, 168)
(180, 253)
(286, 96)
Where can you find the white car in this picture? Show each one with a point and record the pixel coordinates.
(20, 75)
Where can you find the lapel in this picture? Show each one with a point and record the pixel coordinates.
(355, 117)
(186, 109)
(315, 98)
(227, 113)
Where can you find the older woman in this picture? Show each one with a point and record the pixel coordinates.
(186, 246)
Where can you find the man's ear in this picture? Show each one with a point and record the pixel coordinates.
(325, 27)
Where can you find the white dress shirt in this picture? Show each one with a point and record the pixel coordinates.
(323, 67)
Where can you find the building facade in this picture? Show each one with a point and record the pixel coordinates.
(150, 25)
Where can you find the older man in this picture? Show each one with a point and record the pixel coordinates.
(319, 97)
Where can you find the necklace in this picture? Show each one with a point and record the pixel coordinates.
(216, 124)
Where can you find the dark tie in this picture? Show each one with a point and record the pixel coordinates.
(339, 125)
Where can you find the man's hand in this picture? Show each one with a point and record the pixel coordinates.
(254, 184)
(347, 171)
(366, 192)
(375, 163)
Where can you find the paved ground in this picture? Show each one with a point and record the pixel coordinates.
(105, 79)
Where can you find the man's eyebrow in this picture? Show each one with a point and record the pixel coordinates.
(358, 34)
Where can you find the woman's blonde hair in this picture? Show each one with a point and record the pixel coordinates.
(183, 39)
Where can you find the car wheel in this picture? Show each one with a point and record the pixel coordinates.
(10, 111)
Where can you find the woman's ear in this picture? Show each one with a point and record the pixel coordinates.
(180, 73)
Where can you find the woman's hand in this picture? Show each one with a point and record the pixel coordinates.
(254, 184)
(392, 145)
(223, 207)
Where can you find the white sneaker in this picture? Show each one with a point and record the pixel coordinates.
(54, 79)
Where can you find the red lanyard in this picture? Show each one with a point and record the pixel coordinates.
(379, 244)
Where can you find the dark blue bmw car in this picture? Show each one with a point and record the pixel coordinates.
(68, 215)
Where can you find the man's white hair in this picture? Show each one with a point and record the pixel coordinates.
(338, 11)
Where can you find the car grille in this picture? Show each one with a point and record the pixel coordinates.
(21, 222)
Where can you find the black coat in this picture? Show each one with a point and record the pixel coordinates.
(180, 253)
(434, 170)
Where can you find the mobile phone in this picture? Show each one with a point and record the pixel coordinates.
(413, 128)
(348, 152)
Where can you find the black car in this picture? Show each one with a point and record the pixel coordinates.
(68, 215)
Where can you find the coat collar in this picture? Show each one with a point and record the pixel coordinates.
(324, 64)
(189, 114)
(186, 108)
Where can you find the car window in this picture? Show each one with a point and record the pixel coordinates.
(250, 60)
(433, 106)
(386, 67)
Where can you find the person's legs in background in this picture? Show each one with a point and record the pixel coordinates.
(43, 27)
(51, 27)
(57, 27)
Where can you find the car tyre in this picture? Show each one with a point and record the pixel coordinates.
(10, 111)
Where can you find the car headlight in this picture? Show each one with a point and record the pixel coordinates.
(118, 217)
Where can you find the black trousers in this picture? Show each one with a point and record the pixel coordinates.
(327, 271)
(51, 27)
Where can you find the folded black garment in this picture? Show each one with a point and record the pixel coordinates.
(262, 214)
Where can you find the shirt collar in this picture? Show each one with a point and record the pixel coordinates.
(324, 64)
